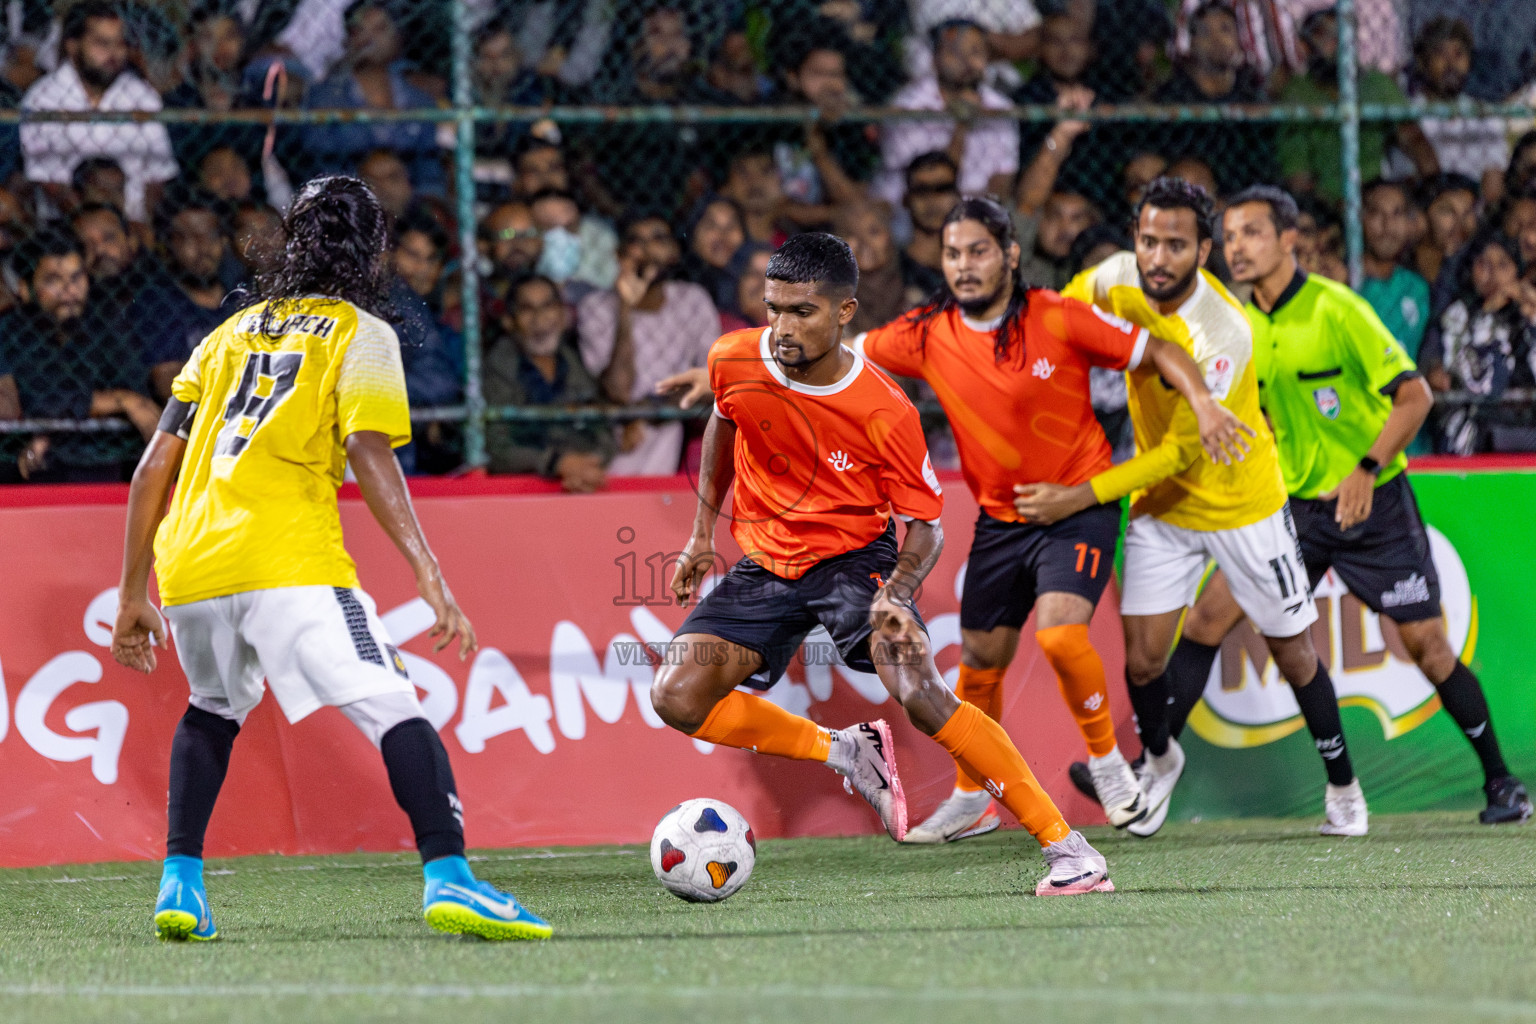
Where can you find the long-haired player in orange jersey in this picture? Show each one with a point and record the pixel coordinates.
(826, 453)
(1010, 365)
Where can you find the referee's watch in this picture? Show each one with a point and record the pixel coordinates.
(1371, 466)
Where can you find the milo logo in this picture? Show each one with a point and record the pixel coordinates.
(1247, 704)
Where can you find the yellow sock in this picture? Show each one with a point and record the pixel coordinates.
(751, 723)
(984, 751)
(982, 687)
(1081, 675)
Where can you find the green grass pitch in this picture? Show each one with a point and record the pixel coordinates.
(1431, 918)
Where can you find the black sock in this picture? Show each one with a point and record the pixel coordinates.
(422, 779)
(199, 761)
(1462, 697)
(1150, 702)
(1320, 707)
(1188, 671)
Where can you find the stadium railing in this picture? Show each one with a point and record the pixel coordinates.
(465, 115)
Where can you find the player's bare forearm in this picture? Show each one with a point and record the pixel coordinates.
(1221, 431)
(383, 485)
(920, 550)
(147, 498)
(1044, 504)
(717, 471)
(1411, 404)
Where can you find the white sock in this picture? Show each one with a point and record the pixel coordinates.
(840, 755)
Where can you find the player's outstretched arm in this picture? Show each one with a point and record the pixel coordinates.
(717, 470)
(891, 611)
(383, 486)
(139, 627)
(1221, 432)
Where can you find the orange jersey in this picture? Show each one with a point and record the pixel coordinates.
(1029, 420)
(819, 470)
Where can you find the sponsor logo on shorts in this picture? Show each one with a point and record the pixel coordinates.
(1327, 400)
(1413, 590)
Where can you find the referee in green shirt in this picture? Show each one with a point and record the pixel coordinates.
(1344, 400)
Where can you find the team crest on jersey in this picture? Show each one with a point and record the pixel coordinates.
(1327, 400)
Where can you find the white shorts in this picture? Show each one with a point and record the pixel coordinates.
(316, 646)
(1262, 563)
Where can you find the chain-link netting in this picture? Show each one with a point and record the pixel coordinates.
(584, 193)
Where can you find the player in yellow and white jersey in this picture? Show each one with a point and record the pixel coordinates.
(1187, 511)
(254, 576)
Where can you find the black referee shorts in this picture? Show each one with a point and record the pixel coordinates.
(1012, 564)
(771, 615)
(1384, 561)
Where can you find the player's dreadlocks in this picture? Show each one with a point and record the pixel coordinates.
(336, 237)
(990, 214)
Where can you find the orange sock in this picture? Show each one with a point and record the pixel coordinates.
(983, 750)
(751, 723)
(1081, 675)
(982, 687)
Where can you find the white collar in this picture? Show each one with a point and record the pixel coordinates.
(982, 326)
(1185, 306)
(806, 389)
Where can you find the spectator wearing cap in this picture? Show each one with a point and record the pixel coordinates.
(986, 151)
(1215, 70)
(1474, 146)
(1398, 295)
(94, 75)
(535, 361)
(1503, 41)
(58, 361)
(650, 326)
(179, 308)
(371, 76)
(1311, 157)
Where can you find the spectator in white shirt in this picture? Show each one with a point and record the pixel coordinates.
(1474, 146)
(94, 76)
(985, 150)
(650, 326)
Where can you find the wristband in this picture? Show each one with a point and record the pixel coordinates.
(1371, 466)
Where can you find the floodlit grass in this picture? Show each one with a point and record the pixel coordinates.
(1431, 918)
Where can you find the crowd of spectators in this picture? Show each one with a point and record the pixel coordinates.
(612, 251)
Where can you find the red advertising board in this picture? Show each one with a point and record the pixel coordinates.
(549, 726)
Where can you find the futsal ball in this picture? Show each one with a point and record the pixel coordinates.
(703, 850)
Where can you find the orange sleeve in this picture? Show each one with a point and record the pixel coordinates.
(721, 355)
(896, 347)
(907, 479)
(1103, 338)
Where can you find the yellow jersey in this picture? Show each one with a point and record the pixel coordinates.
(1171, 477)
(255, 506)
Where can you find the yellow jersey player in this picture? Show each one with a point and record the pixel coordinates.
(1186, 511)
(255, 581)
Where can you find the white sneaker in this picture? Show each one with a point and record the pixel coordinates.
(964, 813)
(1119, 791)
(1345, 806)
(1075, 867)
(870, 770)
(1158, 777)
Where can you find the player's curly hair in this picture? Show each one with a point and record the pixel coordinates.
(1009, 342)
(1177, 194)
(337, 234)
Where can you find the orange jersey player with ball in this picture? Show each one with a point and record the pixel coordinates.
(826, 453)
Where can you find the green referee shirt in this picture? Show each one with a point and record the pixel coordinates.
(1327, 368)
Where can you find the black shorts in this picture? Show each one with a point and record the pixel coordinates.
(771, 615)
(1012, 564)
(1384, 561)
